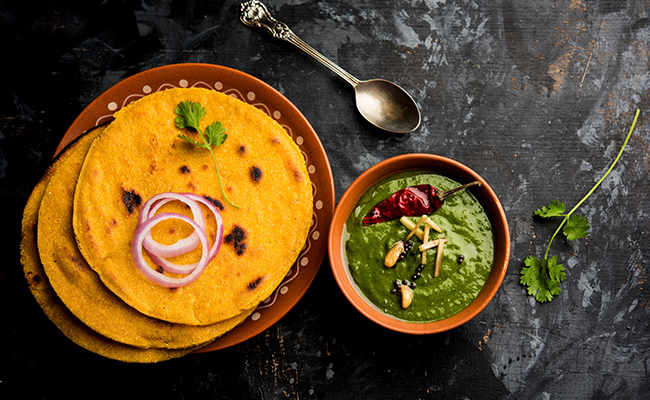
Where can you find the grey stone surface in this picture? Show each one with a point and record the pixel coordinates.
(535, 96)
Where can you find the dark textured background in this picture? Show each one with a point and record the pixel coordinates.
(536, 96)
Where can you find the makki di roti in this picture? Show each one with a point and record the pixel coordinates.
(76, 235)
(47, 298)
(80, 288)
(140, 155)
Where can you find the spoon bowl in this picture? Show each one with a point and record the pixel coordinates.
(383, 103)
(387, 106)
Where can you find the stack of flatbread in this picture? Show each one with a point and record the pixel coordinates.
(81, 217)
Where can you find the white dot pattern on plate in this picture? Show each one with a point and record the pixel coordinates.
(146, 89)
(299, 140)
(277, 114)
(319, 205)
(311, 169)
(255, 316)
(250, 96)
(112, 106)
(218, 85)
(183, 83)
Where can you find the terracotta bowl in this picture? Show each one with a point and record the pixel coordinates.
(442, 166)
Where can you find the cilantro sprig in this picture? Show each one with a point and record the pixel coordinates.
(543, 277)
(189, 115)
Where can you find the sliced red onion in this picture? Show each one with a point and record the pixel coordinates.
(174, 268)
(157, 277)
(157, 252)
(218, 220)
(181, 246)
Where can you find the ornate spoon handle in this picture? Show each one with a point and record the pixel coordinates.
(255, 14)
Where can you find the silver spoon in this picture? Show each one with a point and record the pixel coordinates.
(382, 103)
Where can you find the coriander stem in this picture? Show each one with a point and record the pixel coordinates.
(219, 177)
(620, 152)
(205, 139)
(636, 116)
(566, 217)
(214, 161)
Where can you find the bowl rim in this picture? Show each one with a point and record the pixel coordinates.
(443, 166)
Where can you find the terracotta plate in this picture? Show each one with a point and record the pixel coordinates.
(257, 93)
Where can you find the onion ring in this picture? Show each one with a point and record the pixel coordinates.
(171, 267)
(158, 252)
(217, 216)
(153, 275)
(188, 268)
(182, 246)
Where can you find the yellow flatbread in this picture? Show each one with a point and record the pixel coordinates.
(139, 155)
(81, 290)
(52, 306)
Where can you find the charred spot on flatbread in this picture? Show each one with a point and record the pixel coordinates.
(237, 237)
(242, 149)
(214, 201)
(254, 284)
(297, 175)
(33, 279)
(256, 173)
(184, 169)
(77, 261)
(131, 200)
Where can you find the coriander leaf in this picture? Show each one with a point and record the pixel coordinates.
(540, 283)
(576, 227)
(543, 277)
(530, 273)
(180, 121)
(190, 140)
(216, 134)
(550, 289)
(555, 270)
(555, 209)
(536, 277)
(189, 115)
(545, 293)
